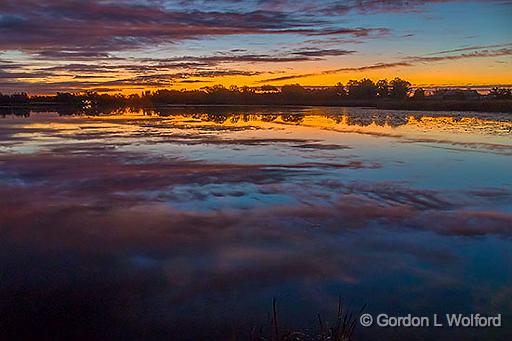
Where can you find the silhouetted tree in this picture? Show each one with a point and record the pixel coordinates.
(20, 98)
(356, 92)
(269, 88)
(501, 93)
(419, 94)
(339, 89)
(363, 89)
(4, 99)
(399, 88)
(382, 88)
(294, 93)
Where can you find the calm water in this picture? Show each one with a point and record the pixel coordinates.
(185, 223)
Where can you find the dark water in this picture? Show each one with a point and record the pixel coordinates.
(186, 223)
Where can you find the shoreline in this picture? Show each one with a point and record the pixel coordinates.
(477, 106)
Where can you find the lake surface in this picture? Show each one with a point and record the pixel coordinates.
(185, 223)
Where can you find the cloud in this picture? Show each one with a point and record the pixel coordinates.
(57, 37)
(14, 81)
(323, 52)
(149, 71)
(92, 29)
(229, 58)
(472, 48)
(369, 67)
(405, 62)
(285, 78)
(347, 69)
(379, 6)
(20, 75)
(161, 79)
(74, 55)
(356, 32)
(476, 54)
(188, 81)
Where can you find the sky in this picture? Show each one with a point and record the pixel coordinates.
(129, 46)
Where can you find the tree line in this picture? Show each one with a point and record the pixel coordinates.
(363, 92)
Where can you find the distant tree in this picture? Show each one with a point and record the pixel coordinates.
(133, 97)
(234, 88)
(218, 94)
(339, 89)
(218, 88)
(362, 89)
(93, 101)
(382, 88)
(294, 93)
(4, 99)
(247, 90)
(501, 93)
(269, 88)
(419, 94)
(20, 98)
(399, 88)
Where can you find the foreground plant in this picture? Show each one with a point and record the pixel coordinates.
(340, 329)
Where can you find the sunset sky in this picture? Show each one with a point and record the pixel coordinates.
(132, 45)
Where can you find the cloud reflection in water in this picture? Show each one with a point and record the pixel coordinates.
(124, 227)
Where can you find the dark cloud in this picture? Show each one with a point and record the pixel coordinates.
(227, 58)
(405, 62)
(188, 81)
(361, 68)
(84, 68)
(75, 55)
(166, 78)
(285, 78)
(472, 48)
(14, 81)
(20, 75)
(92, 29)
(356, 32)
(323, 52)
(39, 86)
(370, 67)
(476, 54)
(68, 35)
(379, 6)
(9, 64)
(151, 71)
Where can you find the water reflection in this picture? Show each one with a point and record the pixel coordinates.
(150, 224)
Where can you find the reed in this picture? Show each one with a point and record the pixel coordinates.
(341, 328)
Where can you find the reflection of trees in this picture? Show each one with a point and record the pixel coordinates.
(360, 120)
(269, 117)
(18, 111)
(367, 119)
(222, 114)
(217, 118)
(235, 118)
(292, 118)
(398, 121)
(380, 120)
